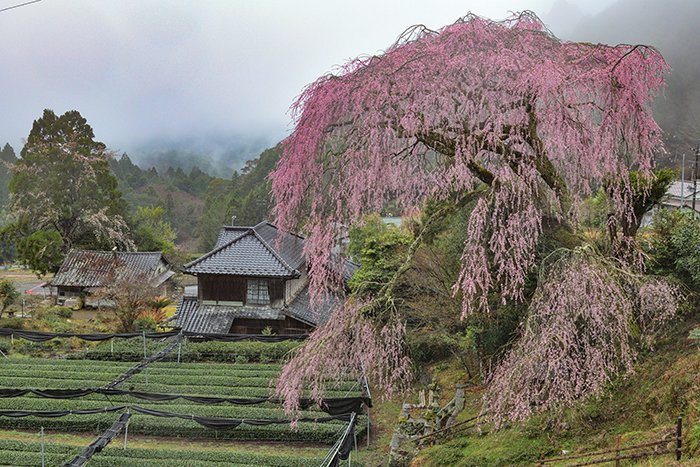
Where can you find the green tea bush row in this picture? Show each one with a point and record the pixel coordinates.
(231, 352)
(161, 377)
(117, 456)
(326, 433)
(74, 361)
(152, 386)
(219, 410)
(48, 365)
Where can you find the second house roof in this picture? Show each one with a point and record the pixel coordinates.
(252, 251)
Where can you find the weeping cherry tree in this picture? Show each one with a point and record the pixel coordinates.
(524, 124)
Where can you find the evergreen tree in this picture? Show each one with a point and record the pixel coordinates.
(151, 231)
(7, 161)
(63, 185)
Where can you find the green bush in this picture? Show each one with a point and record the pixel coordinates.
(61, 311)
(132, 350)
(147, 324)
(25, 453)
(5, 346)
(13, 323)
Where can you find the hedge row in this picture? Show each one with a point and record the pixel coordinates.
(154, 386)
(232, 352)
(161, 377)
(326, 433)
(114, 455)
(55, 362)
(229, 369)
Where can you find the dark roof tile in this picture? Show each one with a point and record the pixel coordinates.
(247, 254)
(86, 268)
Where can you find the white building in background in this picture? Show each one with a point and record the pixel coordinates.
(680, 194)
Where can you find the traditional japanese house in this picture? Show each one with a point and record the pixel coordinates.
(84, 272)
(254, 279)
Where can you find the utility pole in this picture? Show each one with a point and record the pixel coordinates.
(683, 183)
(695, 175)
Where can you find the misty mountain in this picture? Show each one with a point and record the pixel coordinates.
(217, 156)
(564, 18)
(672, 27)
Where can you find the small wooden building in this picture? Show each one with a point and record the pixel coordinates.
(84, 272)
(255, 278)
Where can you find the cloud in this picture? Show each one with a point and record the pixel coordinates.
(163, 70)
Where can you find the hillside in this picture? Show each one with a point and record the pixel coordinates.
(196, 204)
(218, 156)
(641, 408)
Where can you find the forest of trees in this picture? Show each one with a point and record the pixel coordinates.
(123, 204)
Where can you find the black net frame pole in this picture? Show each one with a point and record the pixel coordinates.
(101, 442)
(343, 447)
(143, 364)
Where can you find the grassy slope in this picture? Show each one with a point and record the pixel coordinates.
(638, 408)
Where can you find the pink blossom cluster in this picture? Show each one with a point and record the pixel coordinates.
(348, 346)
(578, 335)
(502, 103)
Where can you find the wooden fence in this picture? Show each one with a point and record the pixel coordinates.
(671, 444)
(618, 453)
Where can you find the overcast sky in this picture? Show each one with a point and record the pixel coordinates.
(151, 70)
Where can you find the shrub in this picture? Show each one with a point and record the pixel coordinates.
(145, 323)
(229, 352)
(13, 323)
(61, 312)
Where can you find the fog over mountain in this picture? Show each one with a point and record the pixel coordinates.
(672, 27)
(564, 18)
(218, 154)
(197, 79)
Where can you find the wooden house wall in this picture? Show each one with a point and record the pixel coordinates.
(220, 287)
(234, 288)
(293, 286)
(68, 291)
(276, 289)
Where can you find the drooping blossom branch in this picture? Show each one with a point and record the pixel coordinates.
(340, 350)
(504, 104)
(578, 335)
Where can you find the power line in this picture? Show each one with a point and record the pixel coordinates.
(17, 6)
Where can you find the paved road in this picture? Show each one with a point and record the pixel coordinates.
(32, 288)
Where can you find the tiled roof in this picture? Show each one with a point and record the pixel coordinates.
(288, 246)
(196, 316)
(274, 254)
(229, 233)
(300, 308)
(85, 268)
(247, 254)
(193, 315)
(675, 189)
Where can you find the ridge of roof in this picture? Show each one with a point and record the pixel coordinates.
(275, 254)
(216, 250)
(263, 222)
(245, 231)
(249, 232)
